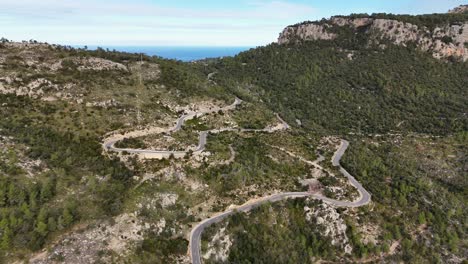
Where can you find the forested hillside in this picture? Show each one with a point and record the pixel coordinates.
(348, 85)
(57, 103)
(78, 183)
(406, 114)
(393, 90)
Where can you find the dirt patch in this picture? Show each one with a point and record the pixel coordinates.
(97, 242)
(218, 247)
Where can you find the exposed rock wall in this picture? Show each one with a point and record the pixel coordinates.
(305, 32)
(442, 42)
(459, 10)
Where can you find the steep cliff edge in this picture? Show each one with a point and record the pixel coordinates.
(459, 10)
(444, 40)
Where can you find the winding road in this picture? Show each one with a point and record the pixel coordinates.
(364, 198)
(195, 235)
(109, 143)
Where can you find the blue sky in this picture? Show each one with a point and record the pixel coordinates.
(181, 23)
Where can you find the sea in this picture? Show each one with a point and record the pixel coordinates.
(177, 53)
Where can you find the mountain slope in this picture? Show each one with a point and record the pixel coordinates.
(400, 93)
(443, 35)
(394, 86)
(348, 82)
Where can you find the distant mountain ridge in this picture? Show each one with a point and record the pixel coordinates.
(443, 35)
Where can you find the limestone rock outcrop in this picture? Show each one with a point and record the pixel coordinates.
(459, 10)
(443, 42)
(305, 32)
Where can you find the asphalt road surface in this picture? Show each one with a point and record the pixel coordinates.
(195, 235)
(109, 145)
(364, 198)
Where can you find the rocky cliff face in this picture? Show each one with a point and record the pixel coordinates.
(305, 32)
(459, 10)
(442, 42)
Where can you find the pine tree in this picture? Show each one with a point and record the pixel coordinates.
(6, 239)
(47, 190)
(41, 226)
(42, 229)
(28, 215)
(33, 197)
(13, 220)
(4, 224)
(42, 216)
(67, 217)
(422, 218)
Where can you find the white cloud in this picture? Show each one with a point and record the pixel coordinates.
(61, 8)
(281, 9)
(101, 21)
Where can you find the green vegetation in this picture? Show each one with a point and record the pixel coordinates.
(31, 210)
(26, 215)
(417, 182)
(430, 21)
(252, 168)
(411, 106)
(251, 116)
(179, 141)
(276, 233)
(415, 203)
(195, 124)
(135, 143)
(168, 244)
(159, 249)
(424, 179)
(377, 92)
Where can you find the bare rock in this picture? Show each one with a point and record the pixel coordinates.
(98, 64)
(326, 216)
(459, 10)
(218, 247)
(305, 32)
(443, 42)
